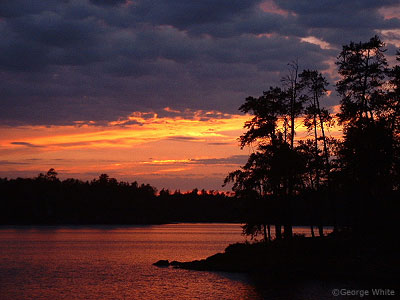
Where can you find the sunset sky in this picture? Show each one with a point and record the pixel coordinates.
(149, 90)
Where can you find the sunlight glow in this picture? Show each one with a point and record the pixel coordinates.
(143, 146)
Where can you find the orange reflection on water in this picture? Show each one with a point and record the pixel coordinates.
(110, 262)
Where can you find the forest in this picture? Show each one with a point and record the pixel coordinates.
(48, 200)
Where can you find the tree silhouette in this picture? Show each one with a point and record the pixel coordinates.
(316, 119)
(391, 113)
(51, 175)
(356, 176)
(273, 171)
(367, 153)
(362, 67)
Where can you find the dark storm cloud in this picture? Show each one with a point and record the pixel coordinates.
(183, 13)
(68, 61)
(19, 8)
(332, 7)
(340, 21)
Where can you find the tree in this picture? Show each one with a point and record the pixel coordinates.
(264, 177)
(266, 111)
(293, 110)
(392, 115)
(391, 107)
(52, 175)
(316, 119)
(362, 67)
(294, 106)
(273, 113)
(363, 167)
(261, 129)
(368, 112)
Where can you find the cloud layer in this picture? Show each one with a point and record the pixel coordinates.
(100, 60)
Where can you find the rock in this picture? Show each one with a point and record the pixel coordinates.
(175, 263)
(162, 263)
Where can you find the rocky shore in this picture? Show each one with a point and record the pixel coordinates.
(330, 257)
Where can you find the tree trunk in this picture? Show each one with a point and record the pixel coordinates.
(288, 231)
(327, 168)
(321, 230)
(293, 104)
(278, 231)
(316, 144)
(265, 233)
(317, 178)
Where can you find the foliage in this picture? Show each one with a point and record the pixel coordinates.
(353, 175)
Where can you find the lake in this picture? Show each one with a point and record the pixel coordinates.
(115, 262)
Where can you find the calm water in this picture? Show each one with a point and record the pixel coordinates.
(116, 263)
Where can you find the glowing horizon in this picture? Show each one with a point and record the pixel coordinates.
(141, 147)
(184, 150)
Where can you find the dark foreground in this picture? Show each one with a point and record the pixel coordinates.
(334, 257)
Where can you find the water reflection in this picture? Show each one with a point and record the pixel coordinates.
(116, 263)
(110, 262)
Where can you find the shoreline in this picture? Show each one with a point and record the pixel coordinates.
(304, 257)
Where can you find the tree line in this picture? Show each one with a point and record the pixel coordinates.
(349, 183)
(47, 200)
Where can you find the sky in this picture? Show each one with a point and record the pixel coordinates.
(149, 90)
